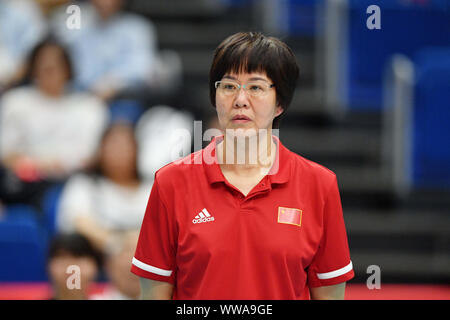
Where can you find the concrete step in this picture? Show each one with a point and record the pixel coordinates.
(403, 267)
(356, 181)
(177, 8)
(360, 180)
(418, 240)
(306, 101)
(406, 245)
(196, 62)
(194, 34)
(398, 220)
(332, 144)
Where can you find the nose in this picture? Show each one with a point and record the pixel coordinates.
(241, 99)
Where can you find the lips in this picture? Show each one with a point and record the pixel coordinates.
(240, 117)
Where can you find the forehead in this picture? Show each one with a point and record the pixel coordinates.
(49, 51)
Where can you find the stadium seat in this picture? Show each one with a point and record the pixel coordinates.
(416, 118)
(431, 118)
(363, 53)
(50, 203)
(302, 17)
(125, 110)
(22, 246)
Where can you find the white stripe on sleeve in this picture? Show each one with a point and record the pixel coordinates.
(149, 268)
(335, 273)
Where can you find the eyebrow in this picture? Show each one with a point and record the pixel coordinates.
(251, 79)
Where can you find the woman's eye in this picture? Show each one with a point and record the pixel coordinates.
(255, 88)
(229, 87)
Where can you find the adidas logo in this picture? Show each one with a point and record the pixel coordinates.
(203, 216)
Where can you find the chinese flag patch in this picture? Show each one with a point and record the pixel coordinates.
(290, 216)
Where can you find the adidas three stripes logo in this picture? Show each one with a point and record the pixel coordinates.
(203, 216)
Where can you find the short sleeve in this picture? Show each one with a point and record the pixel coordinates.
(331, 264)
(156, 248)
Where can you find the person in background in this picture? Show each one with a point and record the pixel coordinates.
(71, 256)
(123, 285)
(103, 204)
(47, 130)
(22, 26)
(114, 51)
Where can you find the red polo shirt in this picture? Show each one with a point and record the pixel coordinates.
(211, 242)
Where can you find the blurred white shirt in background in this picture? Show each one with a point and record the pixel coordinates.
(66, 129)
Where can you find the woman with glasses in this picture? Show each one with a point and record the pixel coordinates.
(245, 218)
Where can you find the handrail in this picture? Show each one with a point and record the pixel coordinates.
(335, 47)
(397, 123)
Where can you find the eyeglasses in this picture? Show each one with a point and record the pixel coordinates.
(255, 89)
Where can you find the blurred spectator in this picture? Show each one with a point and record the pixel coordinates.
(114, 51)
(123, 285)
(111, 201)
(48, 6)
(71, 256)
(21, 27)
(47, 131)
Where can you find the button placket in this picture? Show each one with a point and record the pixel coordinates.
(238, 197)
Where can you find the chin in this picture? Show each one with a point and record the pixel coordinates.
(241, 132)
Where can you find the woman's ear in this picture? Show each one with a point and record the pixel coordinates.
(279, 110)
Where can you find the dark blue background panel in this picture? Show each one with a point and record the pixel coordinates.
(431, 119)
(404, 29)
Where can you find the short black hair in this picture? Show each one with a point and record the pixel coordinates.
(73, 244)
(48, 41)
(254, 52)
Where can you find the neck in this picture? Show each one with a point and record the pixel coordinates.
(52, 92)
(124, 181)
(247, 154)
